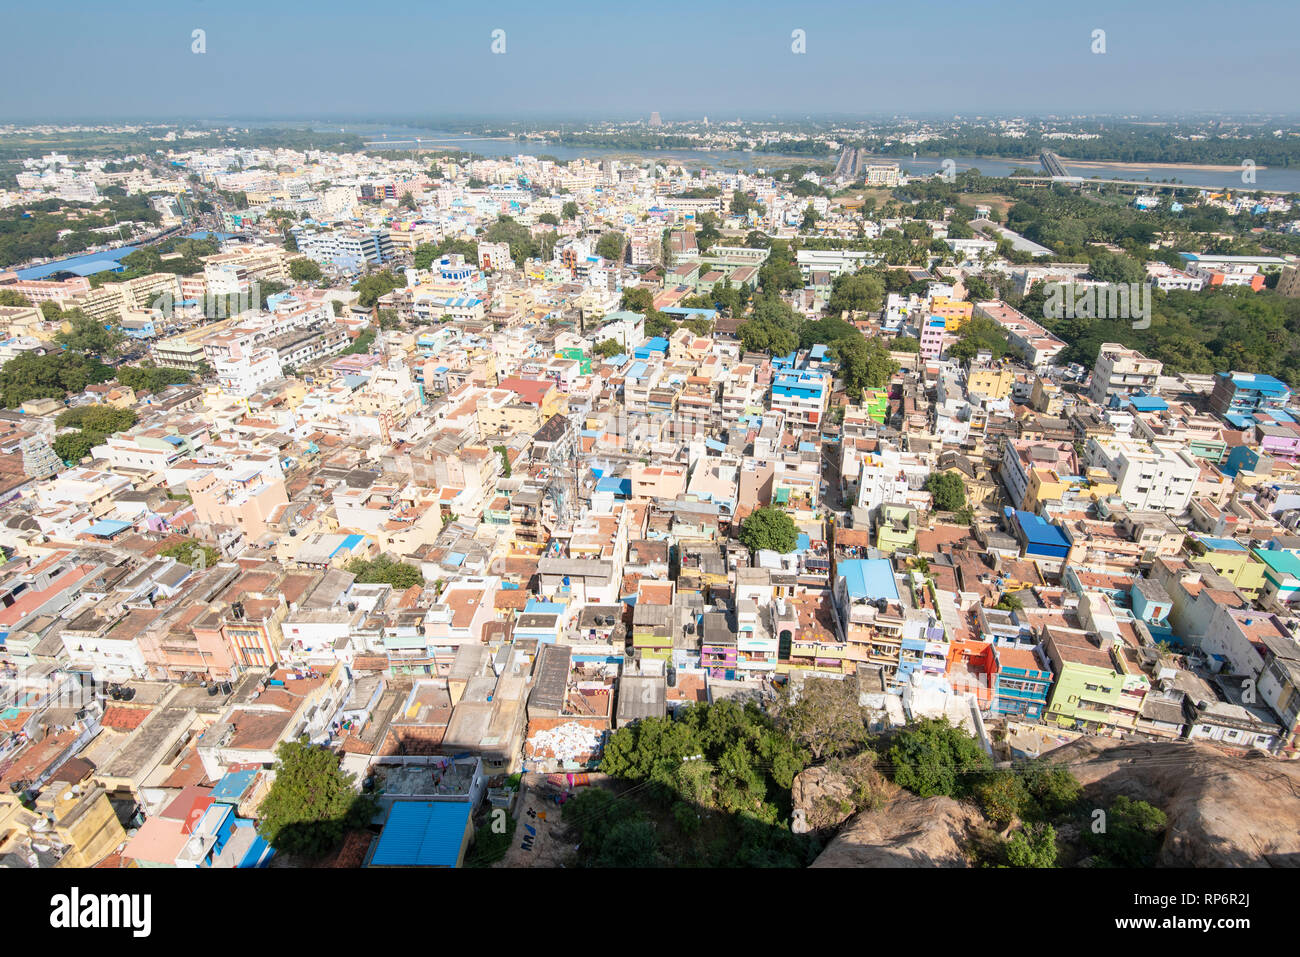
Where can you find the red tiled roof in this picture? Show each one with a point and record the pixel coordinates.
(120, 718)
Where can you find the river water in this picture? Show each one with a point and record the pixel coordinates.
(1266, 179)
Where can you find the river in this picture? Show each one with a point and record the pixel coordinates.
(1281, 179)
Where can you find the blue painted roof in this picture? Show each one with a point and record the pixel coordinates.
(1259, 381)
(1039, 531)
(817, 352)
(1221, 544)
(1148, 403)
(107, 526)
(613, 483)
(869, 578)
(351, 542)
(85, 265)
(422, 834)
(232, 786)
(804, 542)
(537, 606)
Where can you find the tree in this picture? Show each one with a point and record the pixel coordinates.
(1132, 836)
(864, 363)
(637, 299)
(569, 210)
(9, 297)
(523, 245)
(824, 715)
(384, 570)
(932, 757)
(1111, 267)
(312, 803)
(370, 288)
(979, 334)
(75, 446)
(1055, 790)
(505, 459)
(1010, 601)
(53, 375)
(610, 246)
(1002, 797)
(810, 218)
(361, 344)
(769, 528)
(89, 336)
(407, 201)
(860, 292)
(304, 270)
(151, 378)
(550, 219)
(105, 419)
(706, 232)
(188, 552)
(1034, 846)
(741, 204)
(427, 253)
(607, 348)
(978, 289)
(947, 489)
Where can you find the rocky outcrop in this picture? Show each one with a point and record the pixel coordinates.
(827, 795)
(1223, 811)
(908, 831)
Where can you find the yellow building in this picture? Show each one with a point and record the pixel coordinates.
(1044, 486)
(1231, 560)
(990, 382)
(953, 312)
(77, 819)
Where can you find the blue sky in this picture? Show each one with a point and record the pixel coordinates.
(284, 58)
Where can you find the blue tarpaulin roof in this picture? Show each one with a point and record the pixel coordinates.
(422, 834)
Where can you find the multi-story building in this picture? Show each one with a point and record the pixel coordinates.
(1146, 476)
(802, 396)
(1121, 372)
(1247, 394)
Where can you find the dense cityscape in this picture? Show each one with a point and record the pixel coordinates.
(512, 491)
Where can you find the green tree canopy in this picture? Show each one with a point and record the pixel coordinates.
(859, 292)
(386, 571)
(769, 528)
(370, 288)
(188, 552)
(89, 336)
(948, 490)
(932, 757)
(312, 803)
(610, 246)
(305, 270)
(824, 715)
